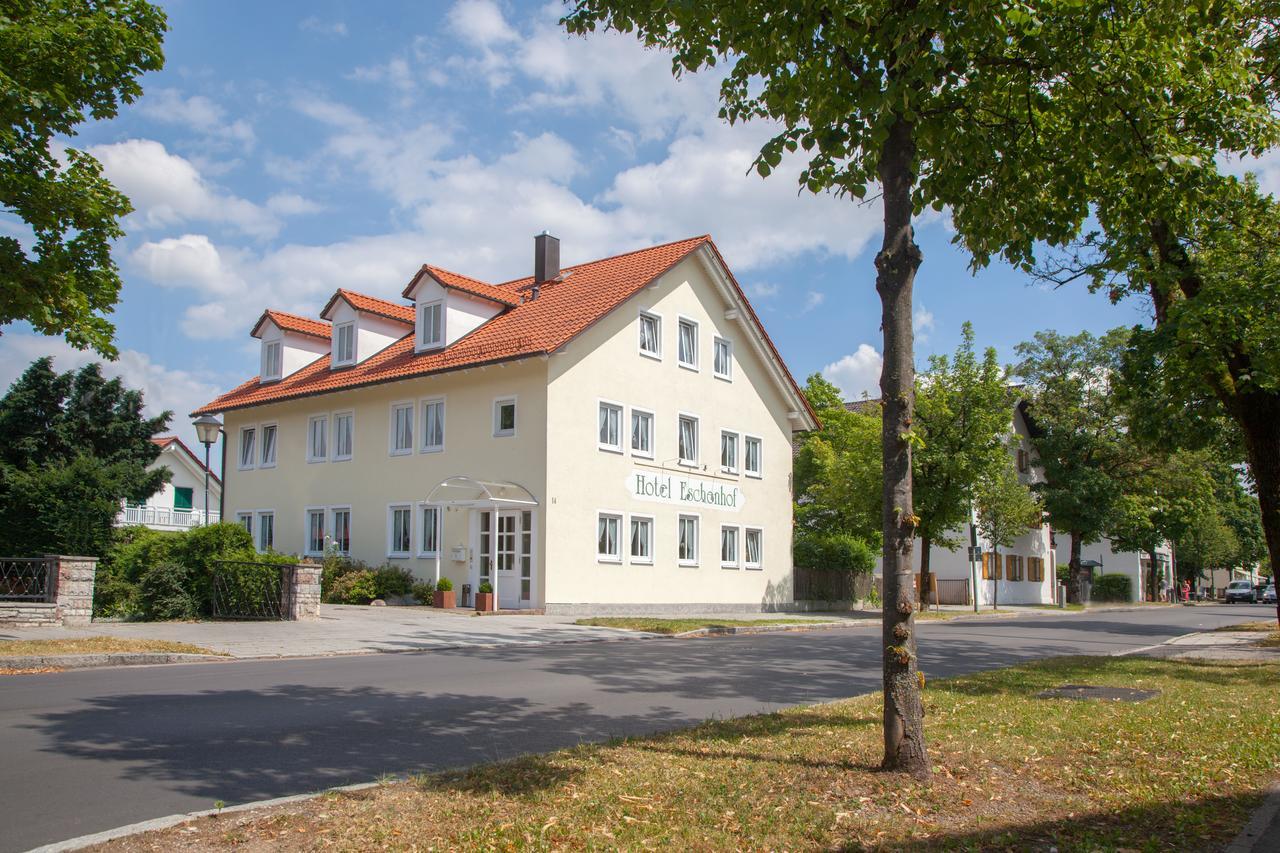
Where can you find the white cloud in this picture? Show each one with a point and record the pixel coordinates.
(187, 261)
(856, 374)
(763, 290)
(481, 23)
(167, 189)
(180, 391)
(312, 24)
(812, 300)
(292, 204)
(197, 113)
(922, 322)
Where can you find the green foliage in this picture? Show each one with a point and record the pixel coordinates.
(1112, 587)
(485, 587)
(444, 585)
(61, 63)
(833, 552)
(962, 418)
(75, 445)
(424, 591)
(132, 551)
(337, 586)
(392, 581)
(1063, 573)
(354, 587)
(165, 592)
(1006, 508)
(837, 470)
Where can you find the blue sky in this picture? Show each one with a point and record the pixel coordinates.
(288, 149)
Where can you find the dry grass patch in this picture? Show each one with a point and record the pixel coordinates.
(679, 626)
(1264, 625)
(1012, 772)
(98, 645)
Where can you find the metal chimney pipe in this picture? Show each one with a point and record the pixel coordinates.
(546, 258)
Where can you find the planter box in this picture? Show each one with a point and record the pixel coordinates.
(484, 601)
(445, 599)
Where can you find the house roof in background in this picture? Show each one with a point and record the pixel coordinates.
(370, 305)
(172, 442)
(292, 323)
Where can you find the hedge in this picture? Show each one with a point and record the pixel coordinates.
(833, 552)
(1112, 587)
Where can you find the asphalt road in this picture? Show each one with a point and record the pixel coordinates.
(88, 750)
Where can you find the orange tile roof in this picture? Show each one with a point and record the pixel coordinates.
(293, 323)
(564, 309)
(466, 284)
(372, 305)
(164, 441)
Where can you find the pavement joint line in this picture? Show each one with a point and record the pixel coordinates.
(83, 841)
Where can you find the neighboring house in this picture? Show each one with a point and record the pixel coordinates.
(615, 434)
(1216, 580)
(180, 502)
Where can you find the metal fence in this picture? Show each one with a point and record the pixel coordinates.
(26, 579)
(252, 591)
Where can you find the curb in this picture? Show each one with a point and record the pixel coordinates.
(1265, 818)
(730, 630)
(83, 841)
(89, 661)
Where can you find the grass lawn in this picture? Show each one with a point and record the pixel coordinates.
(1011, 772)
(679, 626)
(97, 645)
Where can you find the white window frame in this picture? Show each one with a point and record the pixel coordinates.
(270, 348)
(422, 342)
(632, 558)
(619, 517)
(312, 456)
(653, 432)
(736, 562)
(306, 530)
(331, 535)
(346, 457)
(618, 409)
(257, 538)
(423, 506)
(336, 332)
(652, 315)
(252, 432)
(737, 450)
(263, 461)
(395, 408)
(444, 424)
(393, 554)
(716, 341)
(681, 321)
(241, 518)
(696, 518)
(697, 439)
(747, 564)
(759, 473)
(498, 402)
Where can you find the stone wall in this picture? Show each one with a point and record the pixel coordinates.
(70, 585)
(302, 598)
(28, 614)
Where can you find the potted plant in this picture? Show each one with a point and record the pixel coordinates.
(444, 594)
(484, 597)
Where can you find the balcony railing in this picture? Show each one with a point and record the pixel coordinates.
(166, 519)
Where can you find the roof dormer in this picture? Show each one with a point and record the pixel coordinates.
(363, 326)
(289, 343)
(448, 306)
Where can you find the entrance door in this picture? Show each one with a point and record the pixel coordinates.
(507, 584)
(510, 555)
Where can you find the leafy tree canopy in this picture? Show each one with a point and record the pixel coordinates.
(62, 61)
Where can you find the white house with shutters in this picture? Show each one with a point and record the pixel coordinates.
(180, 502)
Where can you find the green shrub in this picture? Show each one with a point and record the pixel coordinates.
(833, 552)
(336, 566)
(1113, 587)
(1064, 573)
(201, 547)
(424, 591)
(358, 587)
(133, 550)
(392, 581)
(164, 592)
(444, 585)
(485, 587)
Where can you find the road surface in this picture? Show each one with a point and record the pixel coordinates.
(89, 750)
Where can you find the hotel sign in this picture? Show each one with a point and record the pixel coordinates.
(685, 491)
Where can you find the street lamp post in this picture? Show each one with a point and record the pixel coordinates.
(207, 429)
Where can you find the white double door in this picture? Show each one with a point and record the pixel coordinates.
(506, 556)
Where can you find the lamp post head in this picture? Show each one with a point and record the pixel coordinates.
(207, 429)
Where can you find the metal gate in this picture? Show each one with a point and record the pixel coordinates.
(248, 590)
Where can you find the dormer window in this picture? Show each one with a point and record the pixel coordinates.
(431, 324)
(271, 360)
(344, 344)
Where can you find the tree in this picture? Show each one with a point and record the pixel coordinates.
(1078, 431)
(62, 61)
(1005, 509)
(931, 102)
(76, 446)
(963, 415)
(837, 471)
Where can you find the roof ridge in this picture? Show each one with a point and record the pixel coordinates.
(614, 257)
(283, 313)
(458, 274)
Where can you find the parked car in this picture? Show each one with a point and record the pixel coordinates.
(1269, 595)
(1241, 591)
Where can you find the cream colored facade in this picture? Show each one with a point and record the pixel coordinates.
(548, 556)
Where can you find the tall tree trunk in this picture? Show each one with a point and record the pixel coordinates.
(1152, 586)
(896, 265)
(1076, 586)
(1258, 415)
(925, 575)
